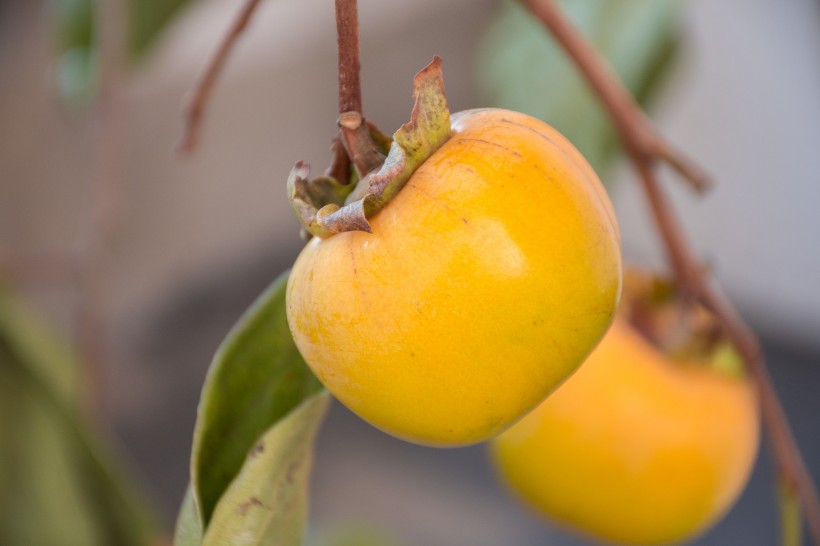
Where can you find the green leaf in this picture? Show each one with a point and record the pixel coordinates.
(188, 530)
(52, 468)
(75, 28)
(256, 378)
(146, 19)
(75, 21)
(267, 502)
(37, 480)
(76, 62)
(520, 66)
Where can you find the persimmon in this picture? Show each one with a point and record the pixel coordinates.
(481, 285)
(635, 448)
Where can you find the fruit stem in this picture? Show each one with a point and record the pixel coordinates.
(355, 135)
(347, 31)
(644, 146)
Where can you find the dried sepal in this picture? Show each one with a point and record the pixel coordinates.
(317, 202)
(382, 141)
(414, 142)
(339, 168)
(302, 196)
(677, 326)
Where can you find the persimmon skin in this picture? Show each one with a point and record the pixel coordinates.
(633, 448)
(484, 284)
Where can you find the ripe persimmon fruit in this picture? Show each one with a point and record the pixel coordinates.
(635, 448)
(483, 284)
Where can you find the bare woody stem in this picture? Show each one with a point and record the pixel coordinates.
(636, 131)
(644, 146)
(198, 99)
(347, 31)
(355, 134)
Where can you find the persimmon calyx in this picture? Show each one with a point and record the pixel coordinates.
(327, 206)
(679, 328)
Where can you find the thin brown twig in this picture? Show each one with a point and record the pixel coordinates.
(683, 260)
(50, 269)
(638, 136)
(636, 131)
(356, 137)
(104, 206)
(198, 99)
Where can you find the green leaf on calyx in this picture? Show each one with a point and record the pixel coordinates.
(256, 379)
(686, 332)
(413, 143)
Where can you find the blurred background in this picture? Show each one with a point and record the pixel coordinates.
(144, 260)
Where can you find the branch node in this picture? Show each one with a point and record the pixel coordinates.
(350, 120)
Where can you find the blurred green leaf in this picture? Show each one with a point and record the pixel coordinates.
(257, 377)
(75, 24)
(189, 526)
(520, 66)
(38, 481)
(58, 485)
(146, 19)
(77, 74)
(76, 58)
(267, 502)
(350, 534)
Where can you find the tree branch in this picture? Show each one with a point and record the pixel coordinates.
(198, 99)
(644, 145)
(636, 131)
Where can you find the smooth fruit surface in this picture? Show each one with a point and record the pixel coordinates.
(634, 448)
(485, 283)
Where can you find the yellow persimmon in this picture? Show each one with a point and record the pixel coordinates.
(635, 448)
(484, 284)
